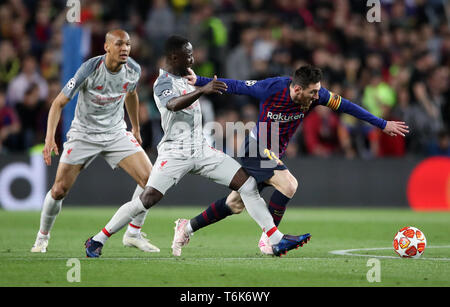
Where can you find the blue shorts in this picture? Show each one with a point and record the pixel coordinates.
(261, 164)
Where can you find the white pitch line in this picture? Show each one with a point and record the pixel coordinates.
(343, 252)
(350, 252)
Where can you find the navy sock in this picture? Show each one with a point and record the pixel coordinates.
(277, 206)
(214, 213)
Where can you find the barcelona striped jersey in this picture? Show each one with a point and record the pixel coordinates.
(278, 112)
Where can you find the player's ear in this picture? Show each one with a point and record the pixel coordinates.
(106, 47)
(173, 58)
(298, 88)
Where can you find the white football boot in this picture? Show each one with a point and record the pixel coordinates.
(139, 241)
(264, 245)
(181, 237)
(41, 243)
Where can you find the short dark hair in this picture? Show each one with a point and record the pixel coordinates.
(306, 75)
(174, 43)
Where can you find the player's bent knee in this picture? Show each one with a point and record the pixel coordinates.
(59, 191)
(150, 197)
(143, 181)
(292, 187)
(236, 206)
(142, 177)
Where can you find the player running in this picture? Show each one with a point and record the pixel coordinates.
(183, 149)
(105, 84)
(284, 102)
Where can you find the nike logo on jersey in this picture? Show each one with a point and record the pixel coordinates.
(100, 87)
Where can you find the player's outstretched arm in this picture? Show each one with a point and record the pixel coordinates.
(54, 116)
(340, 104)
(132, 107)
(253, 88)
(184, 101)
(392, 128)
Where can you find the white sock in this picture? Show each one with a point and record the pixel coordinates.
(50, 210)
(101, 237)
(134, 227)
(121, 218)
(189, 229)
(137, 192)
(134, 230)
(257, 208)
(40, 235)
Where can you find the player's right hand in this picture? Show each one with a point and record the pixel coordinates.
(49, 147)
(215, 87)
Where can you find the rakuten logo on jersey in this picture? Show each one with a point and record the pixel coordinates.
(280, 117)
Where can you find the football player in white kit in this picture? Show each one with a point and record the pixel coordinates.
(182, 150)
(105, 84)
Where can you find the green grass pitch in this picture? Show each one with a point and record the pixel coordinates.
(226, 253)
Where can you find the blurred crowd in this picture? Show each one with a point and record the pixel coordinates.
(397, 68)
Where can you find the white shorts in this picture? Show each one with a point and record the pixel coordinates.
(210, 163)
(82, 149)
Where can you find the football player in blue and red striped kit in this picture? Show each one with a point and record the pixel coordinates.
(284, 102)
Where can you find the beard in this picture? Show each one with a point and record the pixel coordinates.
(121, 61)
(304, 106)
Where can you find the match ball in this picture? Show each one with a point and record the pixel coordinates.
(409, 242)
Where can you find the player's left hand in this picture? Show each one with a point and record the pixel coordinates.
(394, 128)
(192, 77)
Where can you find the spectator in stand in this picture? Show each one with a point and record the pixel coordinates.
(9, 125)
(240, 59)
(441, 145)
(54, 87)
(324, 135)
(423, 64)
(424, 112)
(379, 98)
(160, 24)
(49, 67)
(9, 63)
(28, 76)
(42, 31)
(389, 147)
(28, 112)
(437, 83)
(239, 63)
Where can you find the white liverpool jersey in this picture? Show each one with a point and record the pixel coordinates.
(183, 130)
(100, 104)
